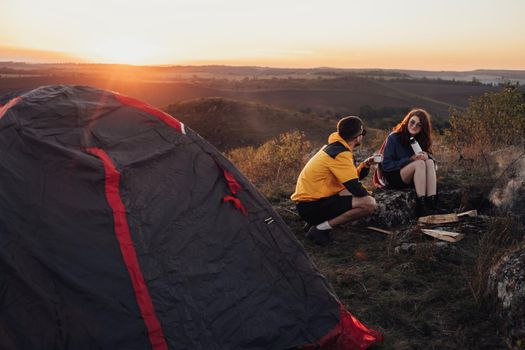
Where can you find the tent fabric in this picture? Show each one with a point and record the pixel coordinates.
(128, 253)
(121, 228)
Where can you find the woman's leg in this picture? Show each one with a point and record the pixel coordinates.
(431, 178)
(415, 172)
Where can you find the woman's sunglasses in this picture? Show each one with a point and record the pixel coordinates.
(412, 122)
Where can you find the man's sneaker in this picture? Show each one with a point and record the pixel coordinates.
(319, 237)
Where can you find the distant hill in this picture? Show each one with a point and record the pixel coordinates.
(381, 96)
(328, 97)
(178, 71)
(229, 124)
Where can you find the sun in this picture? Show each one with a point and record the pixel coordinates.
(126, 52)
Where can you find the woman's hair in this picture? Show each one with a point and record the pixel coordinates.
(424, 137)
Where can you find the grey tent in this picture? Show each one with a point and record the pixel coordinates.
(121, 228)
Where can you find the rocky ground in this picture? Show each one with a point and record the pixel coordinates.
(420, 292)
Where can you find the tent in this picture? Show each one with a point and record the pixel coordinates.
(121, 228)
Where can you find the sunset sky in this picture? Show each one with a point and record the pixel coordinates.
(411, 34)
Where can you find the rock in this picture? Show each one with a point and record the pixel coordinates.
(442, 245)
(405, 248)
(507, 282)
(396, 207)
(411, 248)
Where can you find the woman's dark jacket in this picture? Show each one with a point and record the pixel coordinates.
(395, 154)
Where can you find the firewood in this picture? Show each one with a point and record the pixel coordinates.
(470, 213)
(438, 219)
(444, 235)
(379, 230)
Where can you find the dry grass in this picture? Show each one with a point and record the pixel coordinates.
(420, 300)
(273, 167)
(430, 298)
(502, 234)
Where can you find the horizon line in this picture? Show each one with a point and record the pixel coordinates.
(171, 65)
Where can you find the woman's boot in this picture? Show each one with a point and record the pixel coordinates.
(431, 204)
(420, 206)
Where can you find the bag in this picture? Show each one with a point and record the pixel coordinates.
(379, 178)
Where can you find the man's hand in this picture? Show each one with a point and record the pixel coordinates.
(369, 161)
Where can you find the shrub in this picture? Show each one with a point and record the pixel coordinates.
(274, 166)
(491, 121)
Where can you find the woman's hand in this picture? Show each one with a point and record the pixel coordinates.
(420, 156)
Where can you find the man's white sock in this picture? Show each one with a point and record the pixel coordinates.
(324, 226)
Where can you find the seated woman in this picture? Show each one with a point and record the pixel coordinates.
(403, 168)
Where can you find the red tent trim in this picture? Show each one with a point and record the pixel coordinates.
(236, 203)
(234, 187)
(348, 334)
(163, 116)
(127, 249)
(11, 103)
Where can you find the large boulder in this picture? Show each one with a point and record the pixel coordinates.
(507, 283)
(395, 208)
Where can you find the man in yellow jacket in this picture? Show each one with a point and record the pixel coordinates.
(328, 191)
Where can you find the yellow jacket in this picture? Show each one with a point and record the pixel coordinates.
(327, 171)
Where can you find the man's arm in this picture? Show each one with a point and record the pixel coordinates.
(363, 169)
(355, 187)
(345, 171)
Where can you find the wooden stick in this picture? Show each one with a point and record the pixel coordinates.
(444, 235)
(438, 219)
(470, 213)
(379, 230)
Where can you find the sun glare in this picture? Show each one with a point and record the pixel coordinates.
(125, 52)
(273, 32)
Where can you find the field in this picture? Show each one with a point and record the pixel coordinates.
(420, 294)
(380, 95)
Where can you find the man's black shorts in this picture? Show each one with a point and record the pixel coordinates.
(324, 209)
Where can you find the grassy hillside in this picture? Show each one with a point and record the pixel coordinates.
(455, 95)
(230, 124)
(331, 93)
(345, 95)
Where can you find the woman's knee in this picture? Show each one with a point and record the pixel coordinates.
(419, 164)
(431, 166)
